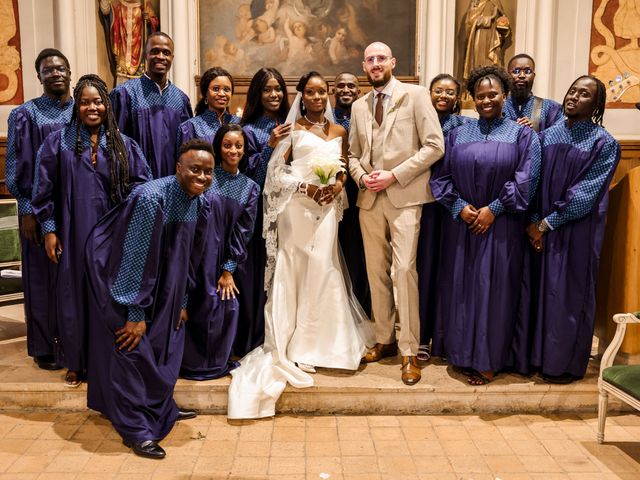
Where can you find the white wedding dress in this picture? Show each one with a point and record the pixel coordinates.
(311, 315)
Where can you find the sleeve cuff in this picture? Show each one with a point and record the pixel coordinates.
(457, 207)
(49, 226)
(535, 218)
(230, 266)
(24, 207)
(496, 207)
(185, 301)
(136, 314)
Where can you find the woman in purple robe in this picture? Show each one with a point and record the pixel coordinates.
(213, 306)
(579, 159)
(81, 172)
(212, 111)
(445, 97)
(140, 261)
(485, 181)
(263, 122)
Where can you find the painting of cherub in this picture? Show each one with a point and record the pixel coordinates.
(296, 36)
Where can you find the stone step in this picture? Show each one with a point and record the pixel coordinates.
(373, 389)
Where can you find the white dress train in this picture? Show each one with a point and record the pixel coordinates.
(311, 315)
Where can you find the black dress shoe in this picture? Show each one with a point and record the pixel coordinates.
(46, 362)
(186, 415)
(147, 449)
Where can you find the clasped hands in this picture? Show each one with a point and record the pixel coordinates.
(478, 219)
(378, 180)
(321, 195)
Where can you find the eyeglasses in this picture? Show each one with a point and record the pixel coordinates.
(518, 71)
(218, 89)
(379, 58)
(61, 69)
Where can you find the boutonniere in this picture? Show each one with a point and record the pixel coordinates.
(397, 104)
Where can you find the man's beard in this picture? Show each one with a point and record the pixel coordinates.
(379, 83)
(520, 95)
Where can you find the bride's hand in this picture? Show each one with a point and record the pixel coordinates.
(330, 192)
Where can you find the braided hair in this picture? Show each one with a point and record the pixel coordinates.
(116, 151)
(597, 114)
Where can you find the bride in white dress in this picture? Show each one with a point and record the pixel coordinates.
(312, 318)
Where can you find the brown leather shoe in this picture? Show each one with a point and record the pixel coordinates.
(411, 373)
(380, 350)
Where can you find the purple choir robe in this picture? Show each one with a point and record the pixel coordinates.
(213, 322)
(577, 167)
(550, 115)
(493, 164)
(429, 248)
(249, 276)
(204, 127)
(29, 126)
(69, 197)
(151, 117)
(140, 261)
(349, 233)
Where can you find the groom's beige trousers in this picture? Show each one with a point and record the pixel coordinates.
(390, 237)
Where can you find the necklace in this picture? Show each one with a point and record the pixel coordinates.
(316, 124)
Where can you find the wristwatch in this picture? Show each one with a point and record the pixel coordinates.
(543, 226)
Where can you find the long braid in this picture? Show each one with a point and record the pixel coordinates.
(116, 151)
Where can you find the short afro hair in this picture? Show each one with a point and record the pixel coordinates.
(479, 74)
(195, 144)
(50, 52)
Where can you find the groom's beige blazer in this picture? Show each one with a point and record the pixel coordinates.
(412, 143)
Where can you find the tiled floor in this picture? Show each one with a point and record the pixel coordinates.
(84, 446)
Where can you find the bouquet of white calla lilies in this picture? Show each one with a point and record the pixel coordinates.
(326, 168)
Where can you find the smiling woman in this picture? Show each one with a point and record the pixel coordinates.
(89, 158)
(486, 182)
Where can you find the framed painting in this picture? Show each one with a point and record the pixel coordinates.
(296, 36)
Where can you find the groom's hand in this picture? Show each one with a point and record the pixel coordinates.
(379, 180)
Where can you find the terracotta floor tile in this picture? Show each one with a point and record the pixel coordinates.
(287, 465)
(329, 465)
(289, 421)
(321, 421)
(459, 447)
(383, 421)
(419, 433)
(386, 433)
(287, 449)
(19, 446)
(452, 432)
(469, 464)
(322, 449)
(432, 464)
(322, 434)
(104, 463)
(579, 464)
(415, 420)
(250, 466)
(252, 449)
(438, 476)
(288, 434)
(29, 464)
(357, 448)
(493, 447)
(355, 421)
(527, 447)
(256, 434)
(504, 464)
(212, 466)
(563, 447)
(391, 448)
(359, 465)
(540, 464)
(67, 463)
(354, 433)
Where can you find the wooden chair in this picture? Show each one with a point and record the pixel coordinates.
(622, 381)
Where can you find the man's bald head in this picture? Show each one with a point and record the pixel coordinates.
(378, 63)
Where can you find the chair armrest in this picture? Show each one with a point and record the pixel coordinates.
(609, 355)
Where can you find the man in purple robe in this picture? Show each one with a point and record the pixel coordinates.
(521, 104)
(29, 125)
(579, 160)
(140, 260)
(150, 109)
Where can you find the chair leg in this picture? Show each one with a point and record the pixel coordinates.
(602, 414)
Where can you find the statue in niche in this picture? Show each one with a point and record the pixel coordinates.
(615, 52)
(487, 29)
(127, 23)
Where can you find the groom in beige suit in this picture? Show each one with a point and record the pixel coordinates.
(394, 139)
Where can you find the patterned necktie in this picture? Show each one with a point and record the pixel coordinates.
(379, 108)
